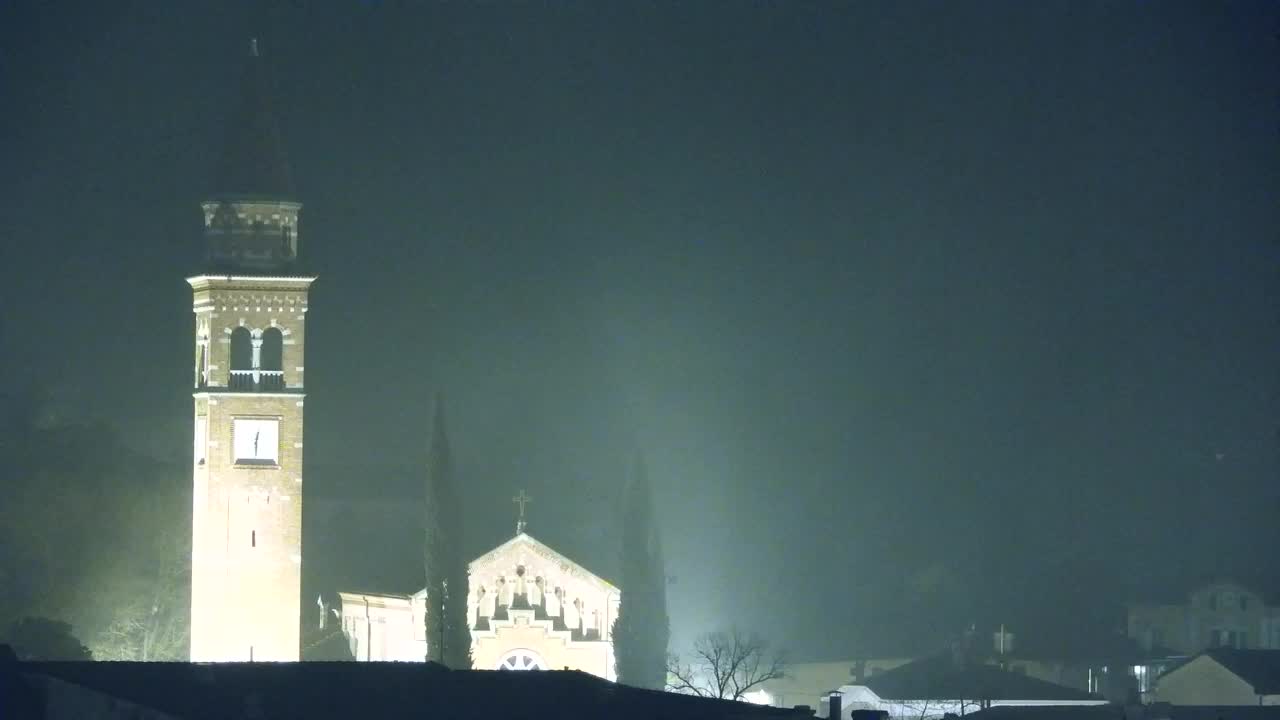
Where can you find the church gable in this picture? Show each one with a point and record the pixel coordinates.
(532, 553)
(529, 607)
(524, 576)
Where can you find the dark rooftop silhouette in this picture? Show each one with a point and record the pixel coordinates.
(941, 677)
(350, 690)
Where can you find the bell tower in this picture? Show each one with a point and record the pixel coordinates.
(250, 308)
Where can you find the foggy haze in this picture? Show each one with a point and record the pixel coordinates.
(922, 314)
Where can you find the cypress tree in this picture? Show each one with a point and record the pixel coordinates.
(641, 632)
(448, 636)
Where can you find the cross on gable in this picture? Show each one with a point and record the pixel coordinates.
(522, 500)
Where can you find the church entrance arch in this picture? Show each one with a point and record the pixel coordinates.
(521, 659)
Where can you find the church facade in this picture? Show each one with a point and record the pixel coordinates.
(529, 608)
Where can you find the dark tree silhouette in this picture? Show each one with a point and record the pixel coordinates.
(326, 644)
(37, 638)
(641, 632)
(448, 635)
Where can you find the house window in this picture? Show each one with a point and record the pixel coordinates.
(1142, 678)
(1227, 638)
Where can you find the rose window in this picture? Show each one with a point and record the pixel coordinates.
(521, 660)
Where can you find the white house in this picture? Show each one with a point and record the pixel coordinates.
(1223, 676)
(935, 686)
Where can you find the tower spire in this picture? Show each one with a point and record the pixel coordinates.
(253, 162)
(251, 215)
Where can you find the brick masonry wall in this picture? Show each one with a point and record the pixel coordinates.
(247, 519)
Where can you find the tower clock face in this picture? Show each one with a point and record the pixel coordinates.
(256, 440)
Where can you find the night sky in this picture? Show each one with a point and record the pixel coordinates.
(897, 298)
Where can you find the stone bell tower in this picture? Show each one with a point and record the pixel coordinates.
(250, 308)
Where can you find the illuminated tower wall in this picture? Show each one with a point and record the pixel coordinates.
(250, 310)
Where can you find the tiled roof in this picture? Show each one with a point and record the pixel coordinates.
(1052, 712)
(941, 677)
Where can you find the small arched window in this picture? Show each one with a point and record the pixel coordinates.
(272, 349)
(241, 359)
(241, 349)
(271, 360)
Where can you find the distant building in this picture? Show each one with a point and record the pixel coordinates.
(944, 684)
(1158, 711)
(1221, 614)
(807, 683)
(530, 608)
(1223, 676)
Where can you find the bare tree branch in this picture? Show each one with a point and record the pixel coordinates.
(725, 665)
(153, 620)
(680, 678)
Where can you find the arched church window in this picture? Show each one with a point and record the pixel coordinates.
(272, 349)
(241, 359)
(272, 359)
(520, 598)
(521, 659)
(241, 349)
